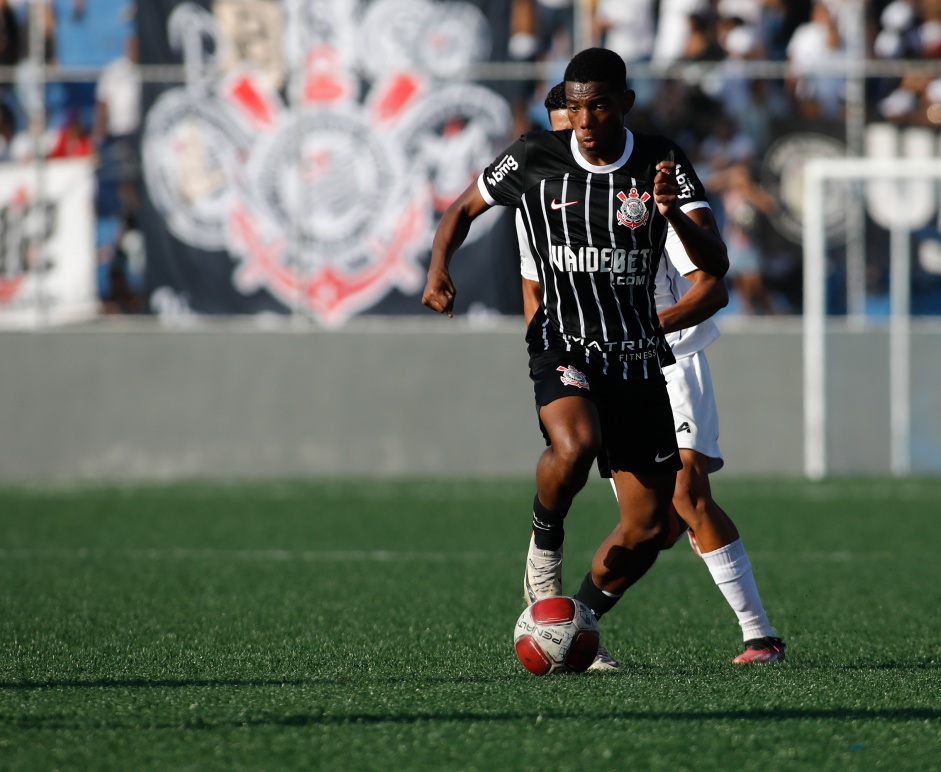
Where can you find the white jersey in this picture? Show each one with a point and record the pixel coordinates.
(670, 285)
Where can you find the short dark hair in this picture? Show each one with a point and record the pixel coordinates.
(597, 65)
(555, 99)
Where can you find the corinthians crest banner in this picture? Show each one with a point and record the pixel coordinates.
(306, 160)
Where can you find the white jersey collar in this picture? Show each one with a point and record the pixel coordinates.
(589, 167)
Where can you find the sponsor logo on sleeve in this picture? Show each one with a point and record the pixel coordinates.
(503, 167)
(685, 184)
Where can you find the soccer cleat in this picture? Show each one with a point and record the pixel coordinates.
(604, 661)
(768, 649)
(543, 577)
(694, 545)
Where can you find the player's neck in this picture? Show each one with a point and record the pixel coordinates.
(607, 155)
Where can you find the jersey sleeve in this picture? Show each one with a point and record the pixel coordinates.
(501, 183)
(691, 190)
(691, 195)
(527, 261)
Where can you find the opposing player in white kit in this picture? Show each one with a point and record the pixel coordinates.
(686, 300)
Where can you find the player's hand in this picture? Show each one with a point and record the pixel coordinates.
(439, 293)
(665, 188)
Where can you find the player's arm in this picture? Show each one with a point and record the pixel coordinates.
(697, 228)
(532, 298)
(452, 230)
(707, 296)
(532, 289)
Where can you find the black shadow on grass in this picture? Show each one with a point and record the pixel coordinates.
(57, 723)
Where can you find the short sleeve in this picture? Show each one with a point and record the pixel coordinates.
(501, 183)
(691, 189)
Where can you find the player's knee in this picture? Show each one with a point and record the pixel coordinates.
(644, 532)
(693, 500)
(610, 566)
(577, 452)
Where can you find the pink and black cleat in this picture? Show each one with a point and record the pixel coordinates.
(761, 650)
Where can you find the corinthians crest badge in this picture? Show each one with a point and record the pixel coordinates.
(633, 212)
(572, 377)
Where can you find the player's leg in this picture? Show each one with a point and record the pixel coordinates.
(574, 432)
(677, 528)
(724, 554)
(575, 437)
(713, 533)
(641, 452)
(630, 549)
(692, 501)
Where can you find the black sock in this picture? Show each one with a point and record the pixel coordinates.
(599, 602)
(547, 527)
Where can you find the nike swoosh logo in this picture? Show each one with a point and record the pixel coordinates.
(560, 204)
(660, 460)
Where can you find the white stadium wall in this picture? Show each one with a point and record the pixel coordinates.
(424, 397)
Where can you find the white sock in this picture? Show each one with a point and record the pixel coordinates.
(731, 571)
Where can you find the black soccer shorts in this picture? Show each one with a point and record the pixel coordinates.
(635, 414)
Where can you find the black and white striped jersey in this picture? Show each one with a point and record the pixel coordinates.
(597, 237)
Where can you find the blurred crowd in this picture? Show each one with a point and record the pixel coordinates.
(97, 119)
(722, 77)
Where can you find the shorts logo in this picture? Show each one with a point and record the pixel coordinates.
(684, 427)
(633, 212)
(573, 377)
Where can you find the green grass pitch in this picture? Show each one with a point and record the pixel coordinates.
(360, 625)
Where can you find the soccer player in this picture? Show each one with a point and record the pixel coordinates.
(596, 201)
(686, 300)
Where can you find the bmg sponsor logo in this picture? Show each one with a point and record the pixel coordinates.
(506, 165)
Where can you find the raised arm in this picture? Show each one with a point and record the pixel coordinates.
(452, 230)
(697, 229)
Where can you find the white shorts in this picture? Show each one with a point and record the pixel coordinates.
(695, 416)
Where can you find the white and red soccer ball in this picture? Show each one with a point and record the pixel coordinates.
(556, 635)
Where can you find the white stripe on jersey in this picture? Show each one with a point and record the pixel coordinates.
(591, 243)
(538, 263)
(568, 242)
(613, 239)
(545, 220)
(482, 188)
(636, 312)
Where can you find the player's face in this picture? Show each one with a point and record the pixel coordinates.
(597, 116)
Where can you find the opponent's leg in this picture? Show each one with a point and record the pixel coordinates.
(721, 549)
